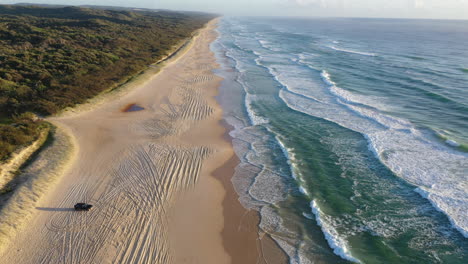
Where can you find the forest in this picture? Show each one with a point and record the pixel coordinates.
(53, 58)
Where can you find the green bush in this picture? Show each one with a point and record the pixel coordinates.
(53, 58)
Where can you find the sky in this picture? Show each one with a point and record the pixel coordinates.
(440, 9)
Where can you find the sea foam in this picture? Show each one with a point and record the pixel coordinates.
(352, 51)
(338, 244)
(396, 142)
(407, 151)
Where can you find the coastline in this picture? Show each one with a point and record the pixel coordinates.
(243, 240)
(163, 174)
(239, 228)
(323, 151)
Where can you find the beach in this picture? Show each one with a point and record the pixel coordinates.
(259, 140)
(155, 163)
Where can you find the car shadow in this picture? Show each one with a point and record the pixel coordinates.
(51, 209)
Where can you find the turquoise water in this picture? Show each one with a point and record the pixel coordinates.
(352, 135)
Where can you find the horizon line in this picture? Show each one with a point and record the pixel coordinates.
(235, 15)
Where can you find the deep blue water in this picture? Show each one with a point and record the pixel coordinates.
(353, 135)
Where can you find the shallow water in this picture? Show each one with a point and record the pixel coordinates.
(352, 137)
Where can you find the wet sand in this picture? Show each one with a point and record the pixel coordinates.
(159, 180)
(241, 233)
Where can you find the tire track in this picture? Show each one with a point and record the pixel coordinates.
(128, 208)
(128, 223)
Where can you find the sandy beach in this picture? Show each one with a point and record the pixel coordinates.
(155, 164)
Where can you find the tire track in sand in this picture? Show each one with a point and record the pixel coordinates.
(127, 210)
(132, 189)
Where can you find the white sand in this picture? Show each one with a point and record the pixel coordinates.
(135, 167)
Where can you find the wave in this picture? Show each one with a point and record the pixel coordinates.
(264, 43)
(249, 98)
(353, 102)
(308, 216)
(449, 140)
(408, 152)
(452, 143)
(254, 118)
(405, 150)
(353, 51)
(289, 155)
(334, 240)
(440, 207)
(303, 190)
(267, 45)
(396, 142)
(254, 181)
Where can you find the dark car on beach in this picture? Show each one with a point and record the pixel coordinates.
(82, 207)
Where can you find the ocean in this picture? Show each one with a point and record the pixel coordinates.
(352, 135)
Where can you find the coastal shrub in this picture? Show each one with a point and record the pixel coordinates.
(53, 58)
(22, 130)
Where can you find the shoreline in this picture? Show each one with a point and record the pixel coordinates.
(239, 230)
(173, 157)
(242, 236)
(147, 162)
(241, 224)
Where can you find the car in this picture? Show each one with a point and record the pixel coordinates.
(82, 207)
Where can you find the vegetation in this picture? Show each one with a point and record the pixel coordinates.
(21, 131)
(52, 58)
